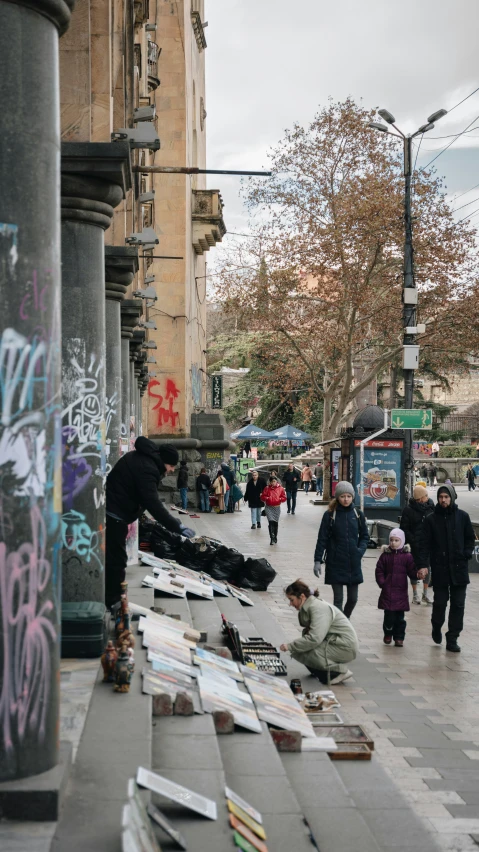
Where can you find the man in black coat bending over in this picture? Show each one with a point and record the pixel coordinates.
(132, 487)
(449, 543)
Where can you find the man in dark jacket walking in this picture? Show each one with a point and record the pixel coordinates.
(252, 497)
(419, 508)
(132, 487)
(449, 543)
(319, 474)
(203, 485)
(230, 479)
(182, 484)
(291, 480)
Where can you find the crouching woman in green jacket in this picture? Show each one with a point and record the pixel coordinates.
(329, 640)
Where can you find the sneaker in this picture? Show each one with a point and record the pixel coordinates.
(387, 639)
(292, 513)
(399, 643)
(426, 600)
(416, 599)
(258, 526)
(436, 635)
(288, 512)
(452, 645)
(253, 526)
(341, 677)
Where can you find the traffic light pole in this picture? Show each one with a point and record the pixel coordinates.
(409, 309)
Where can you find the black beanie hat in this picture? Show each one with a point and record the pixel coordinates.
(168, 454)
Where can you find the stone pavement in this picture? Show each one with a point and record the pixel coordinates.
(419, 703)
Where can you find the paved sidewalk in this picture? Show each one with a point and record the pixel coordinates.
(419, 703)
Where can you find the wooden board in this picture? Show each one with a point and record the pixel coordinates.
(347, 734)
(351, 751)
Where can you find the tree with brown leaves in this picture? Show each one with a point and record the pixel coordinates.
(323, 276)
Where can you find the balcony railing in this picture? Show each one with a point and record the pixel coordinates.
(152, 65)
(198, 30)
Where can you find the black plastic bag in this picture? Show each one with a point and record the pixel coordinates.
(195, 555)
(165, 543)
(257, 575)
(227, 565)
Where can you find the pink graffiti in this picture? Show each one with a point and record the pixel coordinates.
(27, 635)
(33, 299)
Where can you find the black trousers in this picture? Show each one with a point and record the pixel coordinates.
(291, 500)
(351, 600)
(394, 623)
(457, 597)
(115, 559)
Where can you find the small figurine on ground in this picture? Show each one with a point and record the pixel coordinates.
(108, 662)
(122, 621)
(124, 670)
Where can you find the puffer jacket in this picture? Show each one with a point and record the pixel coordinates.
(132, 486)
(392, 570)
(273, 496)
(412, 523)
(449, 543)
(342, 541)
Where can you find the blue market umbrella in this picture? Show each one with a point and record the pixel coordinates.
(254, 433)
(291, 433)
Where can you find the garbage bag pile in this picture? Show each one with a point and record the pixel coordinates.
(207, 554)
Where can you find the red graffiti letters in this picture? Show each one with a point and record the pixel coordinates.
(165, 405)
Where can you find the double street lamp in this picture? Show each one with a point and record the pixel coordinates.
(410, 327)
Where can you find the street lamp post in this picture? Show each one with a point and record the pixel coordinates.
(410, 327)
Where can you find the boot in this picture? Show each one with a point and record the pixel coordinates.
(275, 531)
(271, 534)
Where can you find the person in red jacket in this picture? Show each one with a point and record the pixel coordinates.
(393, 568)
(273, 495)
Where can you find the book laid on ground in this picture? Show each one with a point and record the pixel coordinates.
(176, 793)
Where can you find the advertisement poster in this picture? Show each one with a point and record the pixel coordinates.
(335, 457)
(382, 473)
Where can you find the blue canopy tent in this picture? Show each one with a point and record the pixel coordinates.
(252, 433)
(291, 433)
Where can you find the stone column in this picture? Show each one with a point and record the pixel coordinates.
(121, 263)
(95, 177)
(131, 310)
(30, 335)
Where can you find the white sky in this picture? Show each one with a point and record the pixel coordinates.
(273, 62)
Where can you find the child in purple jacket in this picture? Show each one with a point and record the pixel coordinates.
(393, 568)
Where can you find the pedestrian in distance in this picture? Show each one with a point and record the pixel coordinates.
(471, 478)
(434, 450)
(132, 487)
(230, 479)
(393, 568)
(319, 474)
(252, 496)
(236, 496)
(342, 541)
(203, 485)
(291, 480)
(182, 484)
(449, 544)
(423, 471)
(328, 642)
(306, 477)
(419, 507)
(273, 496)
(221, 489)
(431, 473)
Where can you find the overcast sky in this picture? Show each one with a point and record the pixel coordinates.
(273, 62)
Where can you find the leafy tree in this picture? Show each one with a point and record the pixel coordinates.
(323, 278)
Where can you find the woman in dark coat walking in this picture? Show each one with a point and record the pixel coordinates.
(420, 506)
(393, 568)
(342, 541)
(252, 497)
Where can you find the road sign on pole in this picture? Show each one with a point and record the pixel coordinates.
(411, 418)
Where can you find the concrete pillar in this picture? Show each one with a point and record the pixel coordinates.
(95, 177)
(121, 263)
(30, 335)
(130, 310)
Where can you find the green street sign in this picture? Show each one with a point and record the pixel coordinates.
(411, 418)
